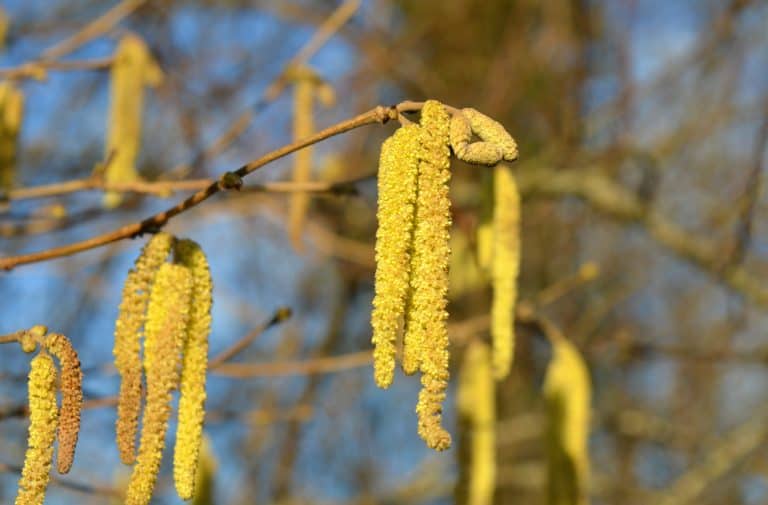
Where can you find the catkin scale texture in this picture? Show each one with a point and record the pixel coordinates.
(43, 419)
(127, 348)
(398, 168)
(189, 432)
(71, 398)
(493, 132)
(427, 317)
(167, 319)
(505, 267)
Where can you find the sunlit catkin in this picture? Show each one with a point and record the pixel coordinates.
(505, 267)
(127, 348)
(194, 366)
(398, 167)
(305, 81)
(427, 317)
(71, 398)
(132, 69)
(481, 153)
(165, 330)
(567, 395)
(493, 132)
(477, 408)
(43, 418)
(11, 111)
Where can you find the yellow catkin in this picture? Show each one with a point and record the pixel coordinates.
(165, 331)
(427, 317)
(43, 418)
(493, 132)
(133, 69)
(127, 348)
(477, 407)
(481, 153)
(398, 167)
(567, 396)
(505, 267)
(303, 127)
(11, 112)
(194, 366)
(71, 398)
(206, 472)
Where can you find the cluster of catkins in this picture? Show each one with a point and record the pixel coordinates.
(412, 251)
(169, 303)
(47, 420)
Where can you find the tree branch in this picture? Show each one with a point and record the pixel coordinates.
(229, 180)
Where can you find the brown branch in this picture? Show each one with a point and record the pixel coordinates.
(327, 364)
(80, 487)
(229, 180)
(280, 315)
(165, 189)
(610, 198)
(95, 28)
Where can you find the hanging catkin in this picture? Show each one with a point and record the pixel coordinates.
(504, 267)
(43, 418)
(398, 168)
(477, 407)
(71, 398)
(167, 319)
(127, 348)
(567, 395)
(303, 126)
(132, 69)
(194, 366)
(427, 317)
(11, 112)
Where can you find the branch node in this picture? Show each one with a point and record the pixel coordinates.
(230, 180)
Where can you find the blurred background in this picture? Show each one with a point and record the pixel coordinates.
(642, 127)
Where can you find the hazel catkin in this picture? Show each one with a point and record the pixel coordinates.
(167, 319)
(427, 317)
(398, 168)
(71, 398)
(194, 366)
(505, 266)
(127, 347)
(43, 418)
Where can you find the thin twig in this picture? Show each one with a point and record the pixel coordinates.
(229, 180)
(280, 315)
(95, 28)
(326, 364)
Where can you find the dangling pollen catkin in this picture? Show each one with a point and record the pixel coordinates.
(71, 398)
(127, 349)
(189, 432)
(476, 399)
(504, 268)
(43, 418)
(567, 393)
(427, 317)
(11, 112)
(398, 168)
(132, 69)
(165, 330)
